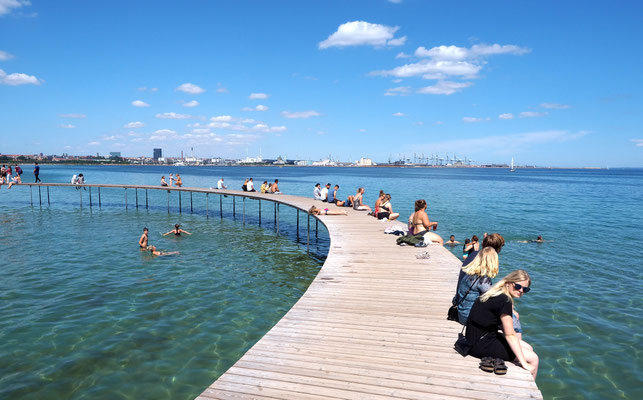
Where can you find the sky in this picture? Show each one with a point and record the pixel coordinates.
(548, 83)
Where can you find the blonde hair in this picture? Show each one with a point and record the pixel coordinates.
(312, 210)
(501, 286)
(485, 264)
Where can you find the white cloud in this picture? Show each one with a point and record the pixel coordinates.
(4, 56)
(471, 119)
(93, 143)
(402, 55)
(433, 69)
(532, 114)
(17, 78)
(164, 132)
(173, 115)
(555, 106)
(419, 123)
(154, 89)
(190, 88)
(395, 1)
(6, 6)
(398, 91)
(113, 137)
(221, 118)
(257, 108)
(222, 90)
(136, 124)
(67, 126)
(506, 116)
(76, 116)
(140, 103)
(399, 114)
(455, 53)
(136, 140)
(300, 114)
(192, 103)
(258, 96)
(637, 142)
(358, 33)
(444, 87)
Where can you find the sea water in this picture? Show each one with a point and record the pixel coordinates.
(84, 313)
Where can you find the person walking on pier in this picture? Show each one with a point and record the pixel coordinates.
(36, 172)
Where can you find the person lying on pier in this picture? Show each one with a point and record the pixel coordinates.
(451, 242)
(177, 231)
(386, 209)
(325, 211)
(493, 309)
(358, 205)
(155, 252)
(474, 281)
(419, 223)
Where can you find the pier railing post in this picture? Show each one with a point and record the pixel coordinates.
(308, 236)
(220, 206)
(146, 199)
(136, 191)
(297, 224)
(80, 192)
(90, 197)
(207, 207)
(191, 210)
(126, 198)
(316, 227)
(259, 212)
(99, 200)
(48, 202)
(31, 194)
(234, 207)
(277, 219)
(244, 210)
(39, 196)
(168, 201)
(180, 205)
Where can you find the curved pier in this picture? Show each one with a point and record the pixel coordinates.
(372, 325)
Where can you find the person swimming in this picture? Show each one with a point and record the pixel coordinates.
(177, 231)
(451, 241)
(155, 253)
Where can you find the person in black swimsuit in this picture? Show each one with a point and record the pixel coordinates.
(494, 308)
(177, 231)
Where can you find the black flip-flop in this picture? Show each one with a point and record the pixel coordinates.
(486, 364)
(499, 367)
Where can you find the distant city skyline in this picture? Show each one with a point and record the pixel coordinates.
(548, 83)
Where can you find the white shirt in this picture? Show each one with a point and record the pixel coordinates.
(220, 184)
(324, 193)
(74, 180)
(317, 193)
(250, 186)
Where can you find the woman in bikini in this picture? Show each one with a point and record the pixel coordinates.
(419, 223)
(177, 231)
(386, 209)
(325, 211)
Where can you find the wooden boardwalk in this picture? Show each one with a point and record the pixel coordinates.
(372, 325)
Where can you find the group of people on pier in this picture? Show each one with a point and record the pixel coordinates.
(174, 181)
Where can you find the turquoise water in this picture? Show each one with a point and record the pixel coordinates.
(218, 296)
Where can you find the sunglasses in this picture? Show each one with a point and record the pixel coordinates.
(525, 289)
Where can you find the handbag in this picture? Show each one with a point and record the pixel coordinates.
(462, 345)
(452, 314)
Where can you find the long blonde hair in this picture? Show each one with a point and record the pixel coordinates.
(501, 286)
(485, 264)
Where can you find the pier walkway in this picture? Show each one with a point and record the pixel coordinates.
(372, 325)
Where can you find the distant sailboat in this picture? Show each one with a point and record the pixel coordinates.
(513, 169)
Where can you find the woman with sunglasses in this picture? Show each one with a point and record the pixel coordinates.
(493, 309)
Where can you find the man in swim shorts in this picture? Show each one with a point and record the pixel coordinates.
(142, 242)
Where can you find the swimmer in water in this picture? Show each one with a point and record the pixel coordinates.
(142, 242)
(325, 211)
(451, 241)
(539, 239)
(155, 252)
(177, 231)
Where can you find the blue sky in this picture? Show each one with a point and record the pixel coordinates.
(549, 83)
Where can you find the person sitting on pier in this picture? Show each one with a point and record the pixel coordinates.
(451, 242)
(251, 185)
(358, 205)
(386, 209)
(324, 192)
(317, 192)
(244, 187)
(220, 184)
(493, 309)
(171, 180)
(142, 242)
(177, 231)
(265, 188)
(475, 280)
(274, 188)
(325, 211)
(163, 183)
(332, 197)
(179, 181)
(380, 198)
(419, 224)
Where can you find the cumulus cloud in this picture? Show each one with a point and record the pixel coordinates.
(637, 142)
(7, 6)
(173, 115)
(221, 118)
(455, 53)
(258, 96)
(444, 87)
(359, 33)
(75, 116)
(532, 114)
(399, 114)
(93, 143)
(136, 124)
(164, 132)
(506, 116)
(190, 88)
(471, 119)
(300, 114)
(4, 56)
(402, 55)
(398, 91)
(140, 103)
(192, 103)
(67, 126)
(257, 108)
(17, 78)
(433, 69)
(555, 106)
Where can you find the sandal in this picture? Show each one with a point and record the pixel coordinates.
(499, 367)
(486, 364)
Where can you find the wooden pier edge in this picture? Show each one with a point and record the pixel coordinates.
(372, 325)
